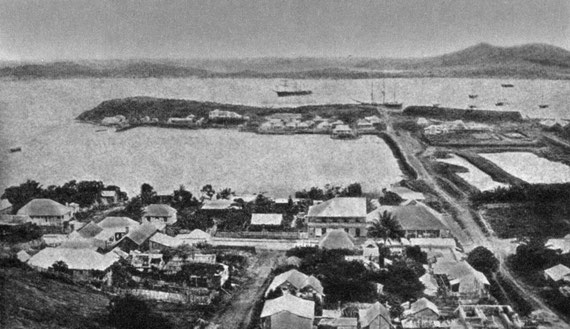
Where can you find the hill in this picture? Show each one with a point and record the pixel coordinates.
(482, 60)
(29, 300)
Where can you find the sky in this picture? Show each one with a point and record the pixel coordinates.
(116, 29)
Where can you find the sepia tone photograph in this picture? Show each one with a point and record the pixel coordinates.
(285, 164)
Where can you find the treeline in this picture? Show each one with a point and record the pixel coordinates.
(537, 193)
(330, 191)
(84, 193)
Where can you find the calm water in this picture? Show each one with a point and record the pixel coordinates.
(475, 176)
(38, 115)
(530, 167)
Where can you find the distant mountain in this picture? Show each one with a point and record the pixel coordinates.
(482, 60)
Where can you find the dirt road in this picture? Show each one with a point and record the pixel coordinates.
(238, 314)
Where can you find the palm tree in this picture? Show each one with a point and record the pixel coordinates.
(386, 227)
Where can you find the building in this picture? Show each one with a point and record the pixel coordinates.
(288, 312)
(462, 280)
(175, 264)
(80, 261)
(342, 131)
(218, 114)
(159, 215)
(195, 237)
(11, 223)
(161, 242)
(337, 239)
(114, 228)
(374, 316)
(348, 214)
(296, 283)
(560, 245)
(266, 219)
(557, 274)
(407, 194)
(46, 212)
(110, 197)
(488, 316)
(146, 261)
(138, 238)
(417, 220)
(423, 308)
(188, 120)
(364, 125)
(338, 323)
(374, 119)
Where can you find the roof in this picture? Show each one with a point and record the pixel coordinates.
(412, 216)
(434, 242)
(197, 234)
(89, 230)
(468, 278)
(43, 207)
(407, 194)
(558, 272)
(422, 304)
(82, 243)
(108, 193)
(266, 219)
(23, 256)
(159, 210)
(76, 259)
(294, 277)
(559, 244)
(339, 322)
(13, 220)
(339, 207)
(141, 233)
(367, 315)
(314, 283)
(336, 239)
(220, 204)
(293, 261)
(289, 303)
(50, 239)
(166, 240)
(122, 222)
(430, 284)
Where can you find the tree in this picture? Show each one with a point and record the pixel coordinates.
(390, 198)
(18, 196)
(182, 199)
(134, 208)
(225, 193)
(207, 192)
(353, 190)
(483, 260)
(415, 253)
(403, 281)
(60, 267)
(147, 194)
(129, 312)
(386, 227)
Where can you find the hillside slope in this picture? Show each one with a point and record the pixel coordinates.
(29, 300)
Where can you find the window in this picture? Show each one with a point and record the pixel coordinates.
(324, 231)
(357, 232)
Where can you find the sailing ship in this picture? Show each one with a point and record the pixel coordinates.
(15, 149)
(473, 96)
(393, 104)
(507, 85)
(542, 104)
(285, 90)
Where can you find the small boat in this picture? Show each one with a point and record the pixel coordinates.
(15, 149)
(284, 91)
(472, 106)
(499, 103)
(100, 130)
(507, 85)
(473, 96)
(393, 104)
(435, 105)
(543, 106)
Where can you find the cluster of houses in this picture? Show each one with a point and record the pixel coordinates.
(558, 276)
(190, 120)
(432, 127)
(293, 123)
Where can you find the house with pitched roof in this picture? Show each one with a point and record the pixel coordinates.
(296, 283)
(288, 312)
(337, 239)
(160, 215)
(417, 219)
(81, 261)
(375, 316)
(338, 323)
(423, 308)
(348, 214)
(461, 280)
(558, 274)
(46, 212)
(161, 242)
(560, 245)
(195, 237)
(137, 238)
(266, 219)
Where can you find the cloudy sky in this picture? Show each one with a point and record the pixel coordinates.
(100, 29)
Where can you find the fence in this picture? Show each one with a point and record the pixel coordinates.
(188, 297)
(261, 235)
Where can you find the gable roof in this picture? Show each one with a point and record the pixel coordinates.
(166, 240)
(367, 315)
(89, 230)
(289, 303)
(336, 239)
(294, 277)
(76, 259)
(159, 210)
(429, 283)
(314, 283)
(14, 220)
(141, 233)
(468, 278)
(558, 272)
(563, 245)
(221, 204)
(196, 234)
(122, 222)
(43, 207)
(407, 194)
(422, 304)
(339, 322)
(339, 207)
(266, 219)
(412, 216)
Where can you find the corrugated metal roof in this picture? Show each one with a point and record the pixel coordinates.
(289, 303)
(43, 207)
(159, 210)
(76, 259)
(558, 272)
(367, 315)
(266, 219)
(336, 239)
(113, 222)
(339, 207)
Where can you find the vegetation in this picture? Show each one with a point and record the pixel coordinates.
(84, 193)
(329, 192)
(386, 227)
(129, 312)
(483, 260)
(536, 193)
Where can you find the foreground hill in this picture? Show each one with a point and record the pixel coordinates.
(29, 300)
(482, 60)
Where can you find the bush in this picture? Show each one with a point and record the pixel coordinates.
(483, 260)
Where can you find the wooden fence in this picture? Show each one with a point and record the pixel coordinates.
(261, 235)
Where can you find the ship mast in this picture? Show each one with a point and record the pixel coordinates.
(383, 91)
(372, 92)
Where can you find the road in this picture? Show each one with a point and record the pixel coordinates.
(237, 315)
(471, 235)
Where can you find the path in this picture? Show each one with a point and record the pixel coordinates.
(237, 315)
